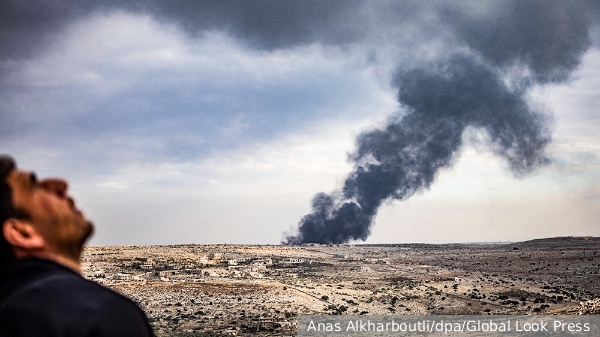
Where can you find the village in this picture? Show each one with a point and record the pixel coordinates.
(201, 290)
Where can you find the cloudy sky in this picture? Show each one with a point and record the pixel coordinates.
(217, 122)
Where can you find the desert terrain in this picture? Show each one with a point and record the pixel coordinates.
(212, 290)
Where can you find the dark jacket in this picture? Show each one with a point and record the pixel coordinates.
(42, 298)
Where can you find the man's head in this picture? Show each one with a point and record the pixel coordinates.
(38, 218)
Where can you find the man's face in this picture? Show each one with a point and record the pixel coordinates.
(51, 211)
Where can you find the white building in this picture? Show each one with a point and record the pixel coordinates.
(257, 267)
(122, 277)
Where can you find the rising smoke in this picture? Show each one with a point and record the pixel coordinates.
(543, 41)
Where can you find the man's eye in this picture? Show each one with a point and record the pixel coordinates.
(33, 179)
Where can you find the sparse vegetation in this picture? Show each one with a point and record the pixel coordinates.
(183, 296)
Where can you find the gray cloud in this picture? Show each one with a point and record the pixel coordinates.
(27, 28)
(539, 32)
(463, 65)
(547, 36)
(269, 24)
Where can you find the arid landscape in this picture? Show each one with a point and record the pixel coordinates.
(201, 290)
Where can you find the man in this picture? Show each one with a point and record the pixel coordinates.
(42, 292)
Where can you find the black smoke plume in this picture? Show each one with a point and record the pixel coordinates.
(542, 40)
(404, 157)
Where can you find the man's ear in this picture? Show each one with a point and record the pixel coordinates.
(21, 235)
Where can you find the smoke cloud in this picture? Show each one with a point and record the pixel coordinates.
(530, 43)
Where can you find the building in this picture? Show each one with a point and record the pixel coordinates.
(122, 277)
(266, 261)
(258, 267)
(215, 272)
(146, 266)
(167, 273)
(255, 275)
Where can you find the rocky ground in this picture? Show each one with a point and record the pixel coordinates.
(201, 290)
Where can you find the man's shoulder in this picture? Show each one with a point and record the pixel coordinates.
(69, 288)
(61, 299)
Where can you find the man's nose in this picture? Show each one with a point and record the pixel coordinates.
(55, 185)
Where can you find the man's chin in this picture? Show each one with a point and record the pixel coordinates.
(86, 234)
(90, 229)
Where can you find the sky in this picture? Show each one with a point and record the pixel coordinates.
(219, 122)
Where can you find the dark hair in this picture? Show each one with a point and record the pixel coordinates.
(7, 210)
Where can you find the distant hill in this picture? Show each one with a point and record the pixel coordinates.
(560, 241)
